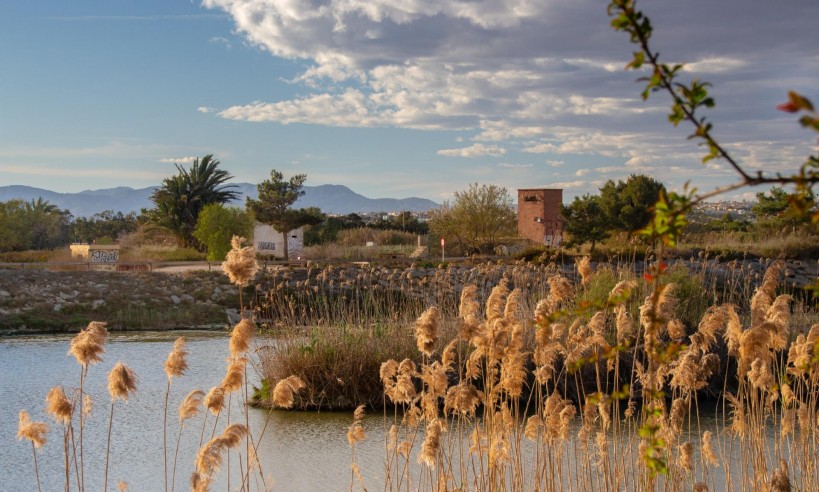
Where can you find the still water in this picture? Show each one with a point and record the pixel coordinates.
(299, 451)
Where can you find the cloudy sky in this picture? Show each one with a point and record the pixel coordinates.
(392, 98)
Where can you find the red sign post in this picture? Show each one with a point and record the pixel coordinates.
(443, 248)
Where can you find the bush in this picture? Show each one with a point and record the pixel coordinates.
(149, 235)
(541, 254)
(360, 236)
(31, 256)
(339, 364)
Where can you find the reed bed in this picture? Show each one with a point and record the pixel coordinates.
(528, 378)
(224, 438)
(586, 396)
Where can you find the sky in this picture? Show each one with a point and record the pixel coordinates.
(392, 98)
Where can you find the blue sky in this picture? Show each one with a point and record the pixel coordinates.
(391, 98)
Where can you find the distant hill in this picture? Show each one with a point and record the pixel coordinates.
(333, 199)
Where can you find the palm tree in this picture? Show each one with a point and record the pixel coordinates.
(182, 197)
(45, 225)
(40, 207)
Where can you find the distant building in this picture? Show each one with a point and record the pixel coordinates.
(95, 253)
(539, 216)
(269, 241)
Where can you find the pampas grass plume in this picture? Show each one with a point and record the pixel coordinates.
(426, 331)
(215, 399)
(176, 364)
(121, 382)
(200, 483)
(496, 302)
(560, 289)
(468, 309)
(87, 345)
(284, 391)
(191, 404)
(241, 336)
(58, 405)
(235, 374)
(585, 270)
(355, 433)
(708, 455)
(32, 431)
(240, 263)
(233, 435)
(432, 444)
(209, 458)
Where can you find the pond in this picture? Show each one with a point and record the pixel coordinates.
(298, 451)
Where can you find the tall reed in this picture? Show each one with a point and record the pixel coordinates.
(573, 396)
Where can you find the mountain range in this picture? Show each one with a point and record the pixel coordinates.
(331, 199)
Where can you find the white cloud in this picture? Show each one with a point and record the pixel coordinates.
(474, 150)
(205, 109)
(178, 160)
(221, 41)
(510, 165)
(717, 64)
(542, 148)
(537, 77)
(608, 66)
(555, 163)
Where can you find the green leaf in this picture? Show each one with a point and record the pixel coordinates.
(799, 101)
(637, 62)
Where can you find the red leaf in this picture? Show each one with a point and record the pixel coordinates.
(648, 277)
(787, 107)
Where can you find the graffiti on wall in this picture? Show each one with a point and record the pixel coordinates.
(295, 245)
(104, 256)
(266, 246)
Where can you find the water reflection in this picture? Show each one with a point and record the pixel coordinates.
(300, 451)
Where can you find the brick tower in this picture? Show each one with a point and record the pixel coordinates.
(539, 216)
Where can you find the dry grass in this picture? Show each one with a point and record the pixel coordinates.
(610, 409)
(521, 382)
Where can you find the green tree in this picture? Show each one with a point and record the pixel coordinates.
(181, 198)
(46, 225)
(36, 224)
(777, 208)
(780, 203)
(106, 224)
(476, 219)
(403, 221)
(628, 204)
(217, 225)
(273, 207)
(585, 221)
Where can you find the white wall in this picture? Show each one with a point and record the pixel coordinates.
(268, 241)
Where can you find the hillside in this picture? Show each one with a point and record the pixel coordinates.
(333, 199)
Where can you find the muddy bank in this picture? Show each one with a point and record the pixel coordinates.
(36, 301)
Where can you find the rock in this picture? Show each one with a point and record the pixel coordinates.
(175, 299)
(188, 298)
(97, 303)
(4, 293)
(233, 316)
(58, 307)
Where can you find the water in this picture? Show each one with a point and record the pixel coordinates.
(299, 450)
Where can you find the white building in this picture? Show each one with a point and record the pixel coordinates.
(269, 241)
